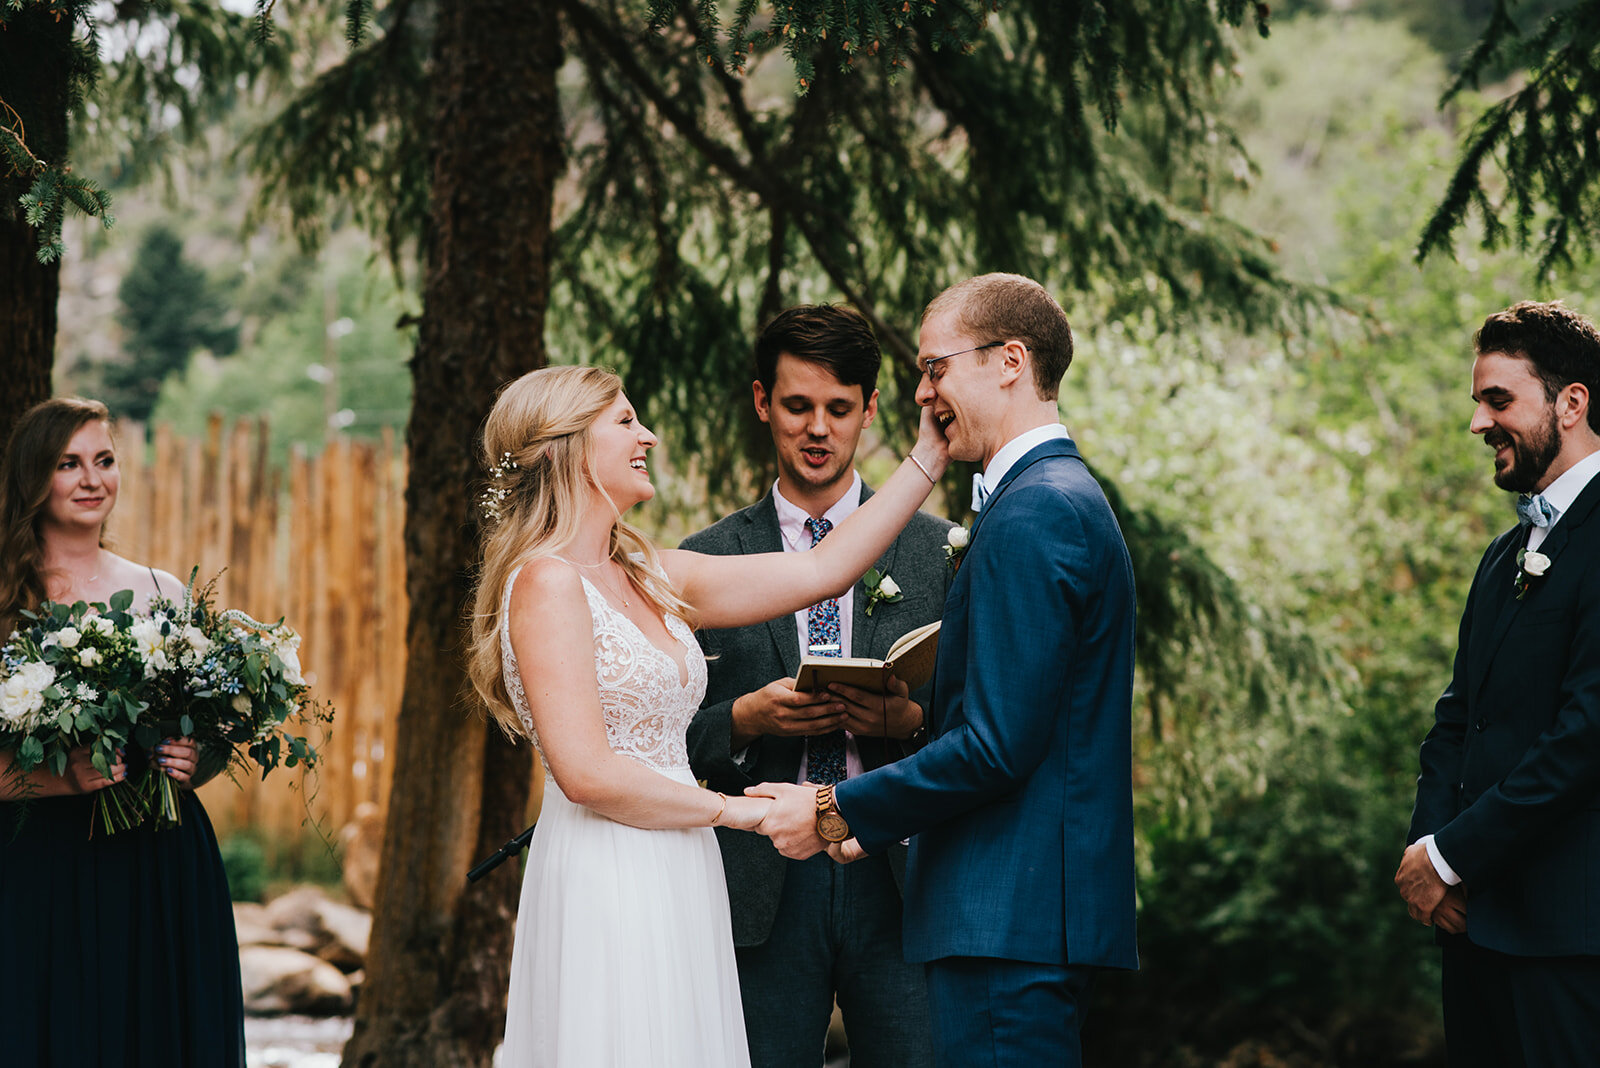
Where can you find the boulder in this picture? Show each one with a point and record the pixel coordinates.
(360, 846)
(253, 927)
(305, 918)
(278, 979)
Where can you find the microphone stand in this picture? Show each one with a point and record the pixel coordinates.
(499, 856)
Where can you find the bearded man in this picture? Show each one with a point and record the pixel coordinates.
(1504, 846)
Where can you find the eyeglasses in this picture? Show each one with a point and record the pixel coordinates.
(927, 365)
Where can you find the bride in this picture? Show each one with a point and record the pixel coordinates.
(582, 642)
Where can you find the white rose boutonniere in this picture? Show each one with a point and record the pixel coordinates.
(1530, 566)
(881, 589)
(955, 544)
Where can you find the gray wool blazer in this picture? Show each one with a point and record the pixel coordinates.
(746, 658)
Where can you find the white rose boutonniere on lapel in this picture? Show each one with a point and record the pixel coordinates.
(881, 589)
(955, 544)
(1530, 566)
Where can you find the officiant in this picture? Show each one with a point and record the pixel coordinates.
(809, 932)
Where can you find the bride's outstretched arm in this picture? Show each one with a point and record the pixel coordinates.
(736, 591)
(554, 643)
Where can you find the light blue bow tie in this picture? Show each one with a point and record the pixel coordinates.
(1533, 508)
(980, 492)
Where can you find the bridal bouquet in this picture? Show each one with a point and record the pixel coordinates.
(102, 676)
(231, 683)
(70, 675)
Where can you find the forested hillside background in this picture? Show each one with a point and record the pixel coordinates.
(1314, 467)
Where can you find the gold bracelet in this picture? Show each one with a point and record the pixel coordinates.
(721, 810)
(913, 458)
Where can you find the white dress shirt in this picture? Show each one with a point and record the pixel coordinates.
(1016, 449)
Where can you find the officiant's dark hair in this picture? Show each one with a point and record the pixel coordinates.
(838, 337)
(1562, 346)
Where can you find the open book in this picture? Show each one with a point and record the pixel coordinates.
(910, 660)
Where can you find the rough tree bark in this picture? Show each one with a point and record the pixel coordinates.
(440, 955)
(33, 75)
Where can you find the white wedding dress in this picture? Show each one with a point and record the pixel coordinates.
(624, 950)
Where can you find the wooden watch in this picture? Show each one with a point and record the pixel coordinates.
(830, 825)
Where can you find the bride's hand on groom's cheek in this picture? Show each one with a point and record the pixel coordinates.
(932, 446)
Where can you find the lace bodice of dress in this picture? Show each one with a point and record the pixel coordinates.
(646, 709)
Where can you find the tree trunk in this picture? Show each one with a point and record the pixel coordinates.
(440, 954)
(33, 80)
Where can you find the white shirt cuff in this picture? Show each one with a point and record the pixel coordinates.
(1446, 872)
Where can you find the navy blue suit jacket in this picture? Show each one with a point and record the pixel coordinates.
(1510, 783)
(1021, 803)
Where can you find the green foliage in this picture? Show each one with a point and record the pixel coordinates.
(706, 196)
(260, 865)
(1543, 139)
(302, 326)
(174, 63)
(170, 308)
(353, 140)
(245, 862)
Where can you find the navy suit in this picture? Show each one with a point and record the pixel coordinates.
(1021, 803)
(1510, 789)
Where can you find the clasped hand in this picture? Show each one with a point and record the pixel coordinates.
(1429, 899)
(791, 823)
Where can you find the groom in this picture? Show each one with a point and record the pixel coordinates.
(1019, 885)
(1505, 838)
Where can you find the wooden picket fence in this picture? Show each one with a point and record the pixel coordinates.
(320, 545)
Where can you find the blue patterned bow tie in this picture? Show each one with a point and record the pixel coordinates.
(980, 492)
(1533, 508)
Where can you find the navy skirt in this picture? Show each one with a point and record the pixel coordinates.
(116, 951)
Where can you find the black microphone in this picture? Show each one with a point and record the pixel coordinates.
(495, 859)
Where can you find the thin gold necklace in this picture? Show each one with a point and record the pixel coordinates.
(623, 597)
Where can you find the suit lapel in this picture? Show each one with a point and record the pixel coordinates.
(762, 536)
(1503, 571)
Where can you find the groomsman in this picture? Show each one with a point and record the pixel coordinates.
(1019, 886)
(1504, 853)
(807, 931)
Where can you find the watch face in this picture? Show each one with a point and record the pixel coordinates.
(832, 827)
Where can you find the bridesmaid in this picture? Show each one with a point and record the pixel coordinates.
(119, 950)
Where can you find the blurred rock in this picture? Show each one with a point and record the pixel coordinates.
(305, 918)
(252, 925)
(278, 979)
(360, 845)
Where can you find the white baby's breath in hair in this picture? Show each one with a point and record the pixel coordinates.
(499, 489)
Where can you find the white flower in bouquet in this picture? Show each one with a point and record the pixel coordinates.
(85, 692)
(241, 704)
(22, 694)
(89, 656)
(68, 637)
(197, 641)
(148, 638)
(285, 644)
(100, 625)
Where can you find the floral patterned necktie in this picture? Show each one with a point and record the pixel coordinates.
(825, 753)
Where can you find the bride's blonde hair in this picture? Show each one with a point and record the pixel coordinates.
(536, 446)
